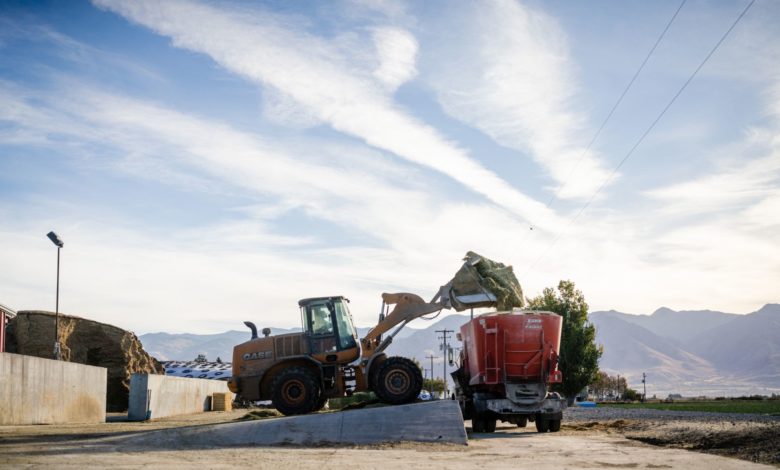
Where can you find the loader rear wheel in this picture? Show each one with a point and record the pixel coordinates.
(295, 391)
(398, 381)
(483, 422)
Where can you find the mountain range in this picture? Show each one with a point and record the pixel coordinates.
(687, 352)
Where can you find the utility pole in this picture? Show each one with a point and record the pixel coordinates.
(644, 387)
(431, 357)
(444, 338)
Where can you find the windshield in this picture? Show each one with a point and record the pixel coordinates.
(321, 321)
(344, 324)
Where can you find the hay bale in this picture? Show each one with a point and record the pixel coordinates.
(85, 342)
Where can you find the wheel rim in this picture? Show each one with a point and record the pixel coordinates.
(397, 382)
(294, 391)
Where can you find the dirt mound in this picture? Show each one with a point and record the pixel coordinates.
(85, 342)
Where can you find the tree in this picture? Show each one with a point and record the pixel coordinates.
(579, 354)
(434, 385)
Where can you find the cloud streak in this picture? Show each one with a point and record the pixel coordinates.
(506, 70)
(310, 71)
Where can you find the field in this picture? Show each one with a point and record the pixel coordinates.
(767, 407)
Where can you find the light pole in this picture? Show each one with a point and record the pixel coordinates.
(57, 351)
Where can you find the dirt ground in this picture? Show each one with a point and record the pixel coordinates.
(581, 444)
(752, 441)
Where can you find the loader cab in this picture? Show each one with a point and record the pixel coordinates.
(328, 326)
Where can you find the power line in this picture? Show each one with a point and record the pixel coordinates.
(644, 134)
(563, 184)
(565, 181)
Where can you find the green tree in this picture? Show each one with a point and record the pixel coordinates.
(434, 386)
(579, 355)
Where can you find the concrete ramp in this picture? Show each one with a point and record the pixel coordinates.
(437, 421)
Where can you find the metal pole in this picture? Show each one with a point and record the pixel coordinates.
(431, 357)
(644, 387)
(444, 337)
(57, 350)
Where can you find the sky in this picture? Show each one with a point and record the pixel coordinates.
(210, 163)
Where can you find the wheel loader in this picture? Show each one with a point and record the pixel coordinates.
(299, 372)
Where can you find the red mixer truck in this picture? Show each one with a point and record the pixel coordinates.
(507, 363)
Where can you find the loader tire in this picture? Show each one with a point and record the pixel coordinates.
(320, 403)
(295, 391)
(398, 381)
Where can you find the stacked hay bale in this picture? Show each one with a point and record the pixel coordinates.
(85, 342)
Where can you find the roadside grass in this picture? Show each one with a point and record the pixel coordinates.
(768, 407)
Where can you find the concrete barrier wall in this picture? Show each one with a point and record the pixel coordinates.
(158, 396)
(34, 390)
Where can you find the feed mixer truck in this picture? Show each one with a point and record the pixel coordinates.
(507, 362)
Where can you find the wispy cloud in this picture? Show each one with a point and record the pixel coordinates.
(506, 70)
(310, 70)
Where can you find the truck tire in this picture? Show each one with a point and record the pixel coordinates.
(490, 423)
(477, 423)
(542, 424)
(522, 422)
(483, 422)
(398, 381)
(295, 391)
(555, 425)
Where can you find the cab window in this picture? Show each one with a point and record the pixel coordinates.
(321, 322)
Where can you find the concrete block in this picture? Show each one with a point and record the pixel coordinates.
(158, 396)
(437, 421)
(34, 390)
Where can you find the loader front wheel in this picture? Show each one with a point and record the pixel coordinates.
(295, 391)
(398, 381)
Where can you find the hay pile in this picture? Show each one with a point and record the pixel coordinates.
(85, 342)
(480, 275)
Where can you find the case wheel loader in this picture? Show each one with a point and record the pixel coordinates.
(299, 372)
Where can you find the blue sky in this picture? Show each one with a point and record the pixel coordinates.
(209, 163)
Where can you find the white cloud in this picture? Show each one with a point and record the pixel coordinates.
(505, 69)
(397, 50)
(311, 71)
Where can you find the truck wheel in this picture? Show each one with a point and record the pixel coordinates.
(477, 423)
(295, 391)
(490, 424)
(398, 381)
(555, 425)
(542, 424)
(522, 422)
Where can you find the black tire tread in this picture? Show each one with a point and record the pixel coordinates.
(414, 373)
(310, 382)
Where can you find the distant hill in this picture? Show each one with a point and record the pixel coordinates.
(694, 352)
(689, 352)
